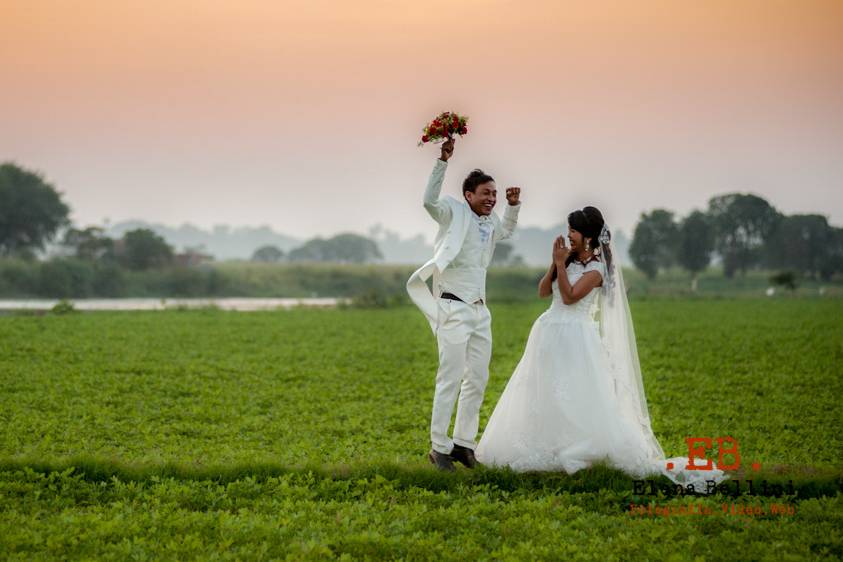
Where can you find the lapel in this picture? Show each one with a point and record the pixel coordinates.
(455, 233)
(449, 242)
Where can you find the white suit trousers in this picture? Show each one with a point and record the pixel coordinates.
(464, 336)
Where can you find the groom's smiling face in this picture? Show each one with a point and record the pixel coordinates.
(483, 199)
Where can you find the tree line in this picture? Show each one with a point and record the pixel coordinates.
(33, 214)
(739, 231)
(742, 232)
(342, 248)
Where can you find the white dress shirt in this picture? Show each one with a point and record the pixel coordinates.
(466, 277)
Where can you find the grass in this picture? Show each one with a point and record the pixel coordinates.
(302, 434)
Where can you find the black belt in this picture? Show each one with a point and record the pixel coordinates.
(453, 297)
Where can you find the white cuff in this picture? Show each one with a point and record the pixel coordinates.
(512, 210)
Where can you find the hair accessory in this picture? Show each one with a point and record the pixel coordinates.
(605, 235)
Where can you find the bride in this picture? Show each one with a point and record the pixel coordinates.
(576, 396)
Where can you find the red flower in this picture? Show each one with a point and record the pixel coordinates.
(445, 125)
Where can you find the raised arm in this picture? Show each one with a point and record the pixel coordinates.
(435, 207)
(510, 215)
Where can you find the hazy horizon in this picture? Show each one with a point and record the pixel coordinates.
(304, 116)
(225, 242)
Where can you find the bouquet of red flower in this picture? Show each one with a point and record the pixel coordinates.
(444, 126)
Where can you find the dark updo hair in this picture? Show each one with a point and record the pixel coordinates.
(475, 178)
(589, 222)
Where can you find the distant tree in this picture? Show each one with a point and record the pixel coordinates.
(654, 242)
(695, 245)
(90, 243)
(354, 248)
(804, 243)
(143, 249)
(342, 248)
(742, 225)
(312, 250)
(396, 249)
(269, 253)
(31, 211)
(64, 278)
(834, 261)
(505, 255)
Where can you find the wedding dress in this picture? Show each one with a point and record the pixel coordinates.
(576, 395)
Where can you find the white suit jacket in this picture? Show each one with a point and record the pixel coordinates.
(454, 218)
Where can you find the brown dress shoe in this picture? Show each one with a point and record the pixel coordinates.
(441, 461)
(464, 455)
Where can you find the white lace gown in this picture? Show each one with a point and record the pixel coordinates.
(558, 411)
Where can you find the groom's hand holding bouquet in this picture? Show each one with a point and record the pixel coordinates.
(447, 150)
(513, 195)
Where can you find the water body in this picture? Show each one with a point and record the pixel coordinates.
(244, 304)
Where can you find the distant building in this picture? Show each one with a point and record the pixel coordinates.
(192, 257)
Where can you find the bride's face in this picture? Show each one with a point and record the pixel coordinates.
(575, 239)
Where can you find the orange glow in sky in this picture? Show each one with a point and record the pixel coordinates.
(304, 115)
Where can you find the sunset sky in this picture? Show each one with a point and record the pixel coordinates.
(304, 116)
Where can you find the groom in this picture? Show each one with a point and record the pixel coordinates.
(456, 310)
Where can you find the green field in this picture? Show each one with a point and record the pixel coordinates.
(302, 434)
